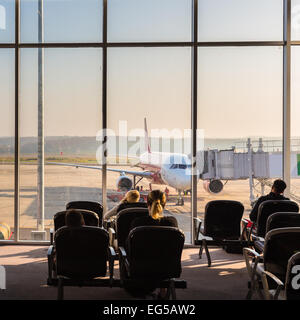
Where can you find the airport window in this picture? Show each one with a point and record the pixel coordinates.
(295, 24)
(72, 118)
(149, 85)
(7, 21)
(76, 67)
(7, 143)
(240, 20)
(63, 21)
(295, 134)
(241, 98)
(149, 20)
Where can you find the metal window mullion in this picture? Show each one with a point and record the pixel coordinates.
(17, 126)
(287, 95)
(194, 115)
(41, 138)
(104, 106)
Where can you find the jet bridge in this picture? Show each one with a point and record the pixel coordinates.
(228, 164)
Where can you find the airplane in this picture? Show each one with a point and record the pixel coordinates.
(175, 169)
(162, 168)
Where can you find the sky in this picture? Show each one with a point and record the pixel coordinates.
(239, 89)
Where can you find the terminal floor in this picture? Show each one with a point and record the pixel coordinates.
(26, 276)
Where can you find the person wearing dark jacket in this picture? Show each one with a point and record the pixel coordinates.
(276, 193)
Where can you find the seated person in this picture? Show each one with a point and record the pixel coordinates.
(74, 218)
(156, 202)
(130, 197)
(276, 193)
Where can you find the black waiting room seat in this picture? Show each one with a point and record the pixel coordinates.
(87, 205)
(90, 219)
(263, 269)
(276, 221)
(111, 223)
(221, 226)
(127, 205)
(267, 208)
(290, 288)
(125, 217)
(152, 259)
(80, 257)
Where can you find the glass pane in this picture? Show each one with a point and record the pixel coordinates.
(240, 20)
(7, 21)
(240, 97)
(295, 132)
(64, 20)
(295, 20)
(72, 118)
(152, 84)
(7, 129)
(149, 20)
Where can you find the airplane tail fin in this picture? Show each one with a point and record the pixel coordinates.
(147, 142)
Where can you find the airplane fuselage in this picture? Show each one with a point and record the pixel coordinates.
(172, 169)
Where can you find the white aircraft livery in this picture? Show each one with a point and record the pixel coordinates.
(172, 169)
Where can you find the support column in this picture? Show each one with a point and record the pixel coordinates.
(287, 96)
(40, 234)
(194, 106)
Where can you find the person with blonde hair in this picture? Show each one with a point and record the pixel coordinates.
(156, 202)
(131, 196)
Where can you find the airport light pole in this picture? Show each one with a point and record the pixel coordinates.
(40, 169)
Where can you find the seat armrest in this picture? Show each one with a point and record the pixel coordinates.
(124, 263)
(122, 252)
(256, 238)
(111, 259)
(50, 251)
(112, 252)
(112, 236)
(273, 277)
(249, 254)
(280, 285)
(51, 235)
(50, 254)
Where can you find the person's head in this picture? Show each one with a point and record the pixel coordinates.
(74, 218)
(156, 202)
(132, 196)
(278, 186)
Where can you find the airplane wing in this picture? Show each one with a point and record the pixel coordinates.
(130, 172)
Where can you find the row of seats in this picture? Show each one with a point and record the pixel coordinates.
(271, 246)
(149, 257)
(275, 252)
(275, 235)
